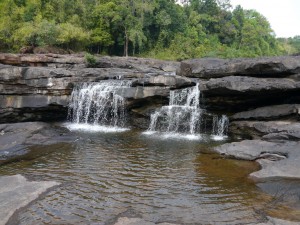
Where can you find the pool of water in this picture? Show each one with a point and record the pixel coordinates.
(162, 179)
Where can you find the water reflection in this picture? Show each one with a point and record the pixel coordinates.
(105, 174)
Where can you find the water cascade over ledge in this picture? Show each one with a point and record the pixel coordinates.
(220, 127)
(181, 116)
(98, 106)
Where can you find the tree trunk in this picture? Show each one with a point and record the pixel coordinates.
(126, 44)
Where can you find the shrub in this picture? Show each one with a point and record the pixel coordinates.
(90, 60)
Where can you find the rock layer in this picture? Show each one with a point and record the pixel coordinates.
(259, 67)
(31, 85)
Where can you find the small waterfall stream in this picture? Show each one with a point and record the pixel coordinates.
(220, 127)
(98, 107)
(181, 116)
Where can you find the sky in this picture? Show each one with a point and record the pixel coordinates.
(283, 15)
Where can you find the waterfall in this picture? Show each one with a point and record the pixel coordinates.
(181, 117)
(220, 127)
(98, 104)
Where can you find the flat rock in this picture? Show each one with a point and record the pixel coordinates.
(267, 129)
(16, 138)
(275, 221)
(278, 160)
(233, 85)
(138, 221)
(17, 192)
(73, 60)
(143, 92)
(171, 81)
(268, 112)
(258, 67)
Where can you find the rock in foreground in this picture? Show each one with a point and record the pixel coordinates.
(17, 137)
(278, 160)
(17, 192)
(137, 221)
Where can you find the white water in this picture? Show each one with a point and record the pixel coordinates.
(93, 128)
(98, 107)
(220, 127)
(181, 118)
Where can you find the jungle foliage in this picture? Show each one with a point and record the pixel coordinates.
(151, 28)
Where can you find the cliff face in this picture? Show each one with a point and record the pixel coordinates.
(38, 87)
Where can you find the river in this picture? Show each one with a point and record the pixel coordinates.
(173, 180)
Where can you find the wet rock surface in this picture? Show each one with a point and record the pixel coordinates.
(17, 192)
(276, 130)
(278, 160)
(16, 138)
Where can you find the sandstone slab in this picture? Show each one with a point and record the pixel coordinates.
(17, 192)
(233, 85)
(16, 138)
(278, 160)
(258, 67)
(269, 112)
(289, 130)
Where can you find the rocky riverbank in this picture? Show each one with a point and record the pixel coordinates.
(260, 96)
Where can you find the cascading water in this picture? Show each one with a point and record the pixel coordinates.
(181, 117)
(220, 127)
(98, 106)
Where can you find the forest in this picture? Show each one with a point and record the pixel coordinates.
(160, 29)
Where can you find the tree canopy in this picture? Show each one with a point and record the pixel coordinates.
(154, 28)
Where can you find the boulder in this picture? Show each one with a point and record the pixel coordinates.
(16, 192)
(257, 67)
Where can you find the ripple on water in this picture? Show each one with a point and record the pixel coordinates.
(105, 174)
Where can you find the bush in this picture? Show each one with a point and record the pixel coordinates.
(90, 60)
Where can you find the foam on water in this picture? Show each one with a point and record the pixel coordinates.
(93, 128)
(179, 136)
(218, 137)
